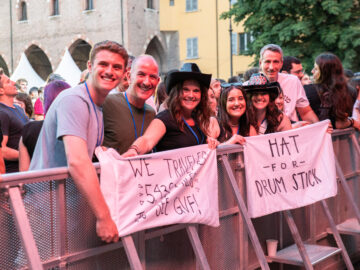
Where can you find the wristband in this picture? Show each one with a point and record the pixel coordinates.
(351, 122)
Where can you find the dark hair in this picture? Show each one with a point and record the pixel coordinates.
(27, 101)
(333, 90)
(273, 115)
(1, 73)
(33, 89)
(51, 91)
(355, 82)
(161, 95)
(111, 46)
(201, 113)
(287, 63)
(250, 72)
(234, 79)
(348, 73)
(224, 119)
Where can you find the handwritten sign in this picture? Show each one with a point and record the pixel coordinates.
(289, 169)
(177, 186)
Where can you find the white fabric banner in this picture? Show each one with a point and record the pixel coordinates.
(177, 186)
(289, 169)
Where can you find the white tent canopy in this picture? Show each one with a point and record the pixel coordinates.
(68, 69)
(26, 71)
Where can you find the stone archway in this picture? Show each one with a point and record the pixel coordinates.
(80, 51)
(39, 61)
(156, 50)
(4, 66)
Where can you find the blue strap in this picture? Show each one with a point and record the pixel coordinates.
(99, 136)
(132, 116)
(193, 132)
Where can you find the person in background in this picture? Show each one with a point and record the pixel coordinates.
(329, 97)
(12, 119)
(232, 117)
(31, 130)
(234, 79)
(250, 72)
(212, 102)
(186, 122)
(23, 100)
(355, 82)
(23, 84)
(215, 85)
(84, 76)
(160, 95)
(305, 80)
(263, 113)
(292, 65)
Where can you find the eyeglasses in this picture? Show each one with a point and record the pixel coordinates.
(298, 71)
(226, 85)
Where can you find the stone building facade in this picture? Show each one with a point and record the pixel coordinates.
(44, 29)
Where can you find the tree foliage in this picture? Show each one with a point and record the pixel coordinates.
(303, 28)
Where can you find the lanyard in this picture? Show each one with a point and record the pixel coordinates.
(193, 132)
(132, 116)
(99, 137)
(21, 116)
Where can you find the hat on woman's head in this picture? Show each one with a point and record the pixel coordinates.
(259, 83)
(189, 71)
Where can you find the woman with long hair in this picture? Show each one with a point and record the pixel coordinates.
(232, 117)
(329, 97)
(186, 120)
(264, 115)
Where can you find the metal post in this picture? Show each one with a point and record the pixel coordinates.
(11, 40)
(231, 52)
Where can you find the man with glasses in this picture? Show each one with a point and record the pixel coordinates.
(292, 65)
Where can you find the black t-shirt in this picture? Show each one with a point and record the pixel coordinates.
(12, 121)
(30, 134)
(175, 138)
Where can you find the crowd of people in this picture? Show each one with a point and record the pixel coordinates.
(122, 103)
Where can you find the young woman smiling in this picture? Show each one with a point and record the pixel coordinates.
(186, 122)
(233, 120)
(263, 113)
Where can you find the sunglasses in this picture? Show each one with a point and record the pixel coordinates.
(226, 85)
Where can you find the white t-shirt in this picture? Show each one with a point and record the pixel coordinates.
(294, 94)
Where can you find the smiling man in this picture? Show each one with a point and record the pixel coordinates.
(73, 127)
(271, 61)
(126, 116)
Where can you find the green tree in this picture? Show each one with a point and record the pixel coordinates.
(303, 28)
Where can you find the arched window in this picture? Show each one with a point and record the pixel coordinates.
(23, 11)
(55, 7)
(89, 5)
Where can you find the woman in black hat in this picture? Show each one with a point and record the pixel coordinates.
(263, 113)
(186, 120)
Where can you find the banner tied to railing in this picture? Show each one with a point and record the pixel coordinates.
(289, 169)
(177, 186)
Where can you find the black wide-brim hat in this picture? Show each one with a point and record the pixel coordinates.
(259, 83)
(189, 71)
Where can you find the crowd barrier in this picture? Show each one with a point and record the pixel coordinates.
(46, 224)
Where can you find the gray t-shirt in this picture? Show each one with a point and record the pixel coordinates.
(71, 113)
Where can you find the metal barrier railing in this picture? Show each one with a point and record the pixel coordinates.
(47, 224)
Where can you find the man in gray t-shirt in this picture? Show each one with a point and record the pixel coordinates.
(73, 127)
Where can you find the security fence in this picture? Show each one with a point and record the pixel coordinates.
(46, 224)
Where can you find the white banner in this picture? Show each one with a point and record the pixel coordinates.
(289, 169)
(177, 186)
